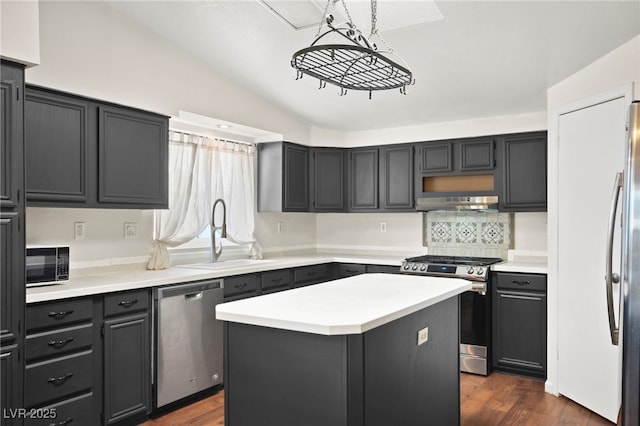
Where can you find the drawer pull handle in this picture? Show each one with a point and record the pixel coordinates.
(351, 271)
(311, 273)
(60, 343)
(240, 286)
(526, 282)
(128, 303)
(61, 314)
(62, 423)
(60, 380)
(276, 280)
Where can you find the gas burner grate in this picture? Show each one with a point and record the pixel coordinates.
(455, 260)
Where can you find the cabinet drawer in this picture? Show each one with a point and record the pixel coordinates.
(55, 314)
(123, 303)
(350, 269)
(383, 269)
(306, 275)
(59, 342)
(273, 280)
(241, 284)
(74, 411)
(58, 378)
(522, 282)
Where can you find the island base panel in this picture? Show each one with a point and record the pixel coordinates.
(382, 377)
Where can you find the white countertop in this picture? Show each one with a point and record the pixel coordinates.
(350, 305)
(87, 282)
(106, 280)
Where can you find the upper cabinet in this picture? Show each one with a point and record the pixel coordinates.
(525, 172)
(283, 177)
(363, 179)
(86, 153)
(456, 156)
(328, 180)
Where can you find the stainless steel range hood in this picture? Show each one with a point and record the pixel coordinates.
(474, 203)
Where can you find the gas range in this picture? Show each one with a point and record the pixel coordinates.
(469, 268)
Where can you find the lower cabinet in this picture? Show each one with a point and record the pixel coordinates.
(127, 357)
(10, 389)
(88, 360)
(520, 324)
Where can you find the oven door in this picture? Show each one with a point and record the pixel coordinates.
(475, 314)
(41, 265)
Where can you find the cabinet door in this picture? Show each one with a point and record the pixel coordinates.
(436, 157)
(132, 158)
(57, 143)
(295, 178)
(363, 179)
(127, 364)
(525, 172)
(10, 385)
(477, 155)
(520, 331)
(11, 147)
(328, 180)
(396, 177)
(12, 255)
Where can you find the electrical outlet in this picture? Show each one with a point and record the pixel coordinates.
(383, 226)
(79, 230)
(130, 230)
(423, 335)
(279, 227)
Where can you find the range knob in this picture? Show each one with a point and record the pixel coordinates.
(414, 267)
(470, 270)
(423, 267)
(406, 266)
(480, 271)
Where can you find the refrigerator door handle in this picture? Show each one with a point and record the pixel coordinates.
(611, 277)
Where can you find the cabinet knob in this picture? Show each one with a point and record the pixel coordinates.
(63, 422)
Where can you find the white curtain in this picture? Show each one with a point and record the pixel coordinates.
(201, 170)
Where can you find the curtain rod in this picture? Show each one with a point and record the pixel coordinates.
(213, 137)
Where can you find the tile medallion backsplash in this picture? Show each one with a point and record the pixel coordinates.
(468, 233)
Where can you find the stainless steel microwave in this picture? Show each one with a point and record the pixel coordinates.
(47, 265)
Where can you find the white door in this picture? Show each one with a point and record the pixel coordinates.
(591, 143)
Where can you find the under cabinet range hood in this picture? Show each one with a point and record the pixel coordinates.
(473, 203)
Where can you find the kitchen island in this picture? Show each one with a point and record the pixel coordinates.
(372, 349)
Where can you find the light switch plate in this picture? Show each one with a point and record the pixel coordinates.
(79, 230)
(130, 230)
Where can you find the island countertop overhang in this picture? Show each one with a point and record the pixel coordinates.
(352, 305)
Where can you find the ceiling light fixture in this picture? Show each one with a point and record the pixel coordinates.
(358, 65)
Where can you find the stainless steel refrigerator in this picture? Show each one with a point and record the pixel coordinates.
(627, 330)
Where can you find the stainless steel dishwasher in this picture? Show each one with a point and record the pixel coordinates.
(189, 339)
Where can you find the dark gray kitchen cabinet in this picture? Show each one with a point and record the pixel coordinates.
(396, 178)
(83, 152)
(132, 157)
(520, 323)
(436, 157)
(343, 270)
(283, 177)
(278, 280)
(127, 358)
(63, 364)
(328, 180)
(241, 286)
(364, 179)
(476, 154)
(58, 147)
(383, 269)
(12, 237)
(313, 274)
(525, 172)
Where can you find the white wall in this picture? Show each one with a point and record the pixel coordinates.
(619, 67)
(19, 32)
(88, 48)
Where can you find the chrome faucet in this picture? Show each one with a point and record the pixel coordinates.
(215, 252)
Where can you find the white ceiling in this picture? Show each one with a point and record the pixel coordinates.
(485, 58)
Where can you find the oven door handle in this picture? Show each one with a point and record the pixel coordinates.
(610, 277)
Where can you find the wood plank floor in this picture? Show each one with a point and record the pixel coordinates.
(497, 400)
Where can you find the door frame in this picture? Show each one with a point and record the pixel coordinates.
(553, 169)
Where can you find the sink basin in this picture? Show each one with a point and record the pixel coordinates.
(231, 263)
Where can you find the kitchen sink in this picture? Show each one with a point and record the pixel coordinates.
(224, 264)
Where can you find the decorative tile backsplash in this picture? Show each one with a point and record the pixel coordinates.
(485, 234)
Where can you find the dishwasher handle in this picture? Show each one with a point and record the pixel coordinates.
(190, 291)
